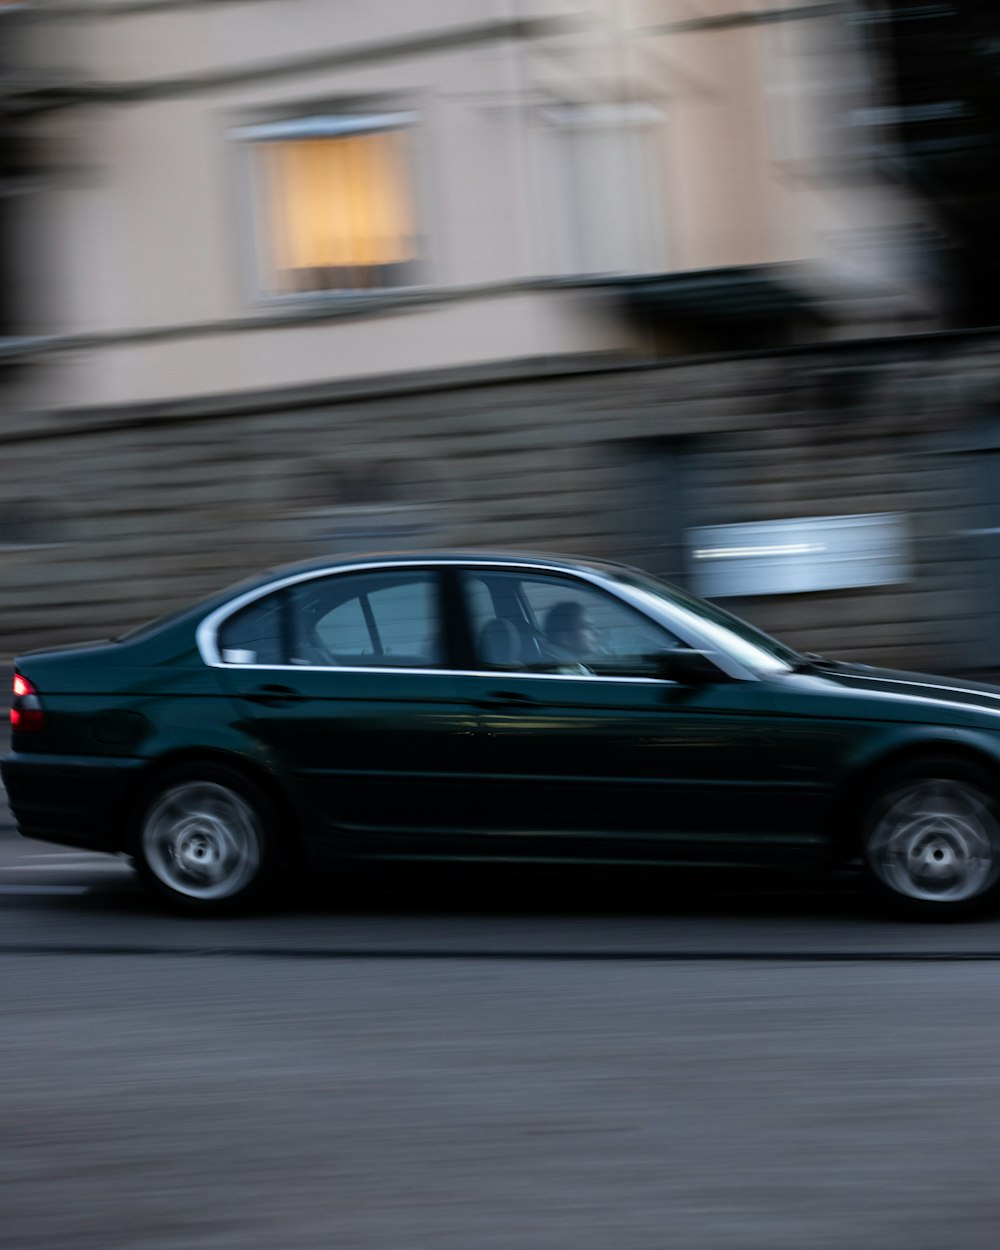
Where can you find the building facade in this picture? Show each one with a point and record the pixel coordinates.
(297, 275)
(247, 194)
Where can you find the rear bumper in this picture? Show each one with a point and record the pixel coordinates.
(75, 801)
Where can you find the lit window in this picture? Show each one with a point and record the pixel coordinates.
(334, 206)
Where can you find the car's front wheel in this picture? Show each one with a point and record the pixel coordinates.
(205, 839)
(931, 838)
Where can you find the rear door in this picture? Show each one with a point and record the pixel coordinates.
(345, 681)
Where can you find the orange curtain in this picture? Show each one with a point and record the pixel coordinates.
(339, 203)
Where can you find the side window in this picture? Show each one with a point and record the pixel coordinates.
(370, 620)
(581, 623)
(256, 634)
(552, 624)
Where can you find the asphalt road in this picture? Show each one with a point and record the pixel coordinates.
(483, 1064)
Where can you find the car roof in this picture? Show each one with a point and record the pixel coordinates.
(443, 556)
(195, 611)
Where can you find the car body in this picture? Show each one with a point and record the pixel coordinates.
(406, 707)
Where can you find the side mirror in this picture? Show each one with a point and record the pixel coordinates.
(689, 668)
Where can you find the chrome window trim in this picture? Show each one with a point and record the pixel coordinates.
(206, 634)
(497, 674)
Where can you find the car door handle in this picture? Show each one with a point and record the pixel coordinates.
(272, 695)
(506, 698)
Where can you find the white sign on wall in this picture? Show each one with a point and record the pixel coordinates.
(800, 555)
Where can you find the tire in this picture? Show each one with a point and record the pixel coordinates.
(205, 840)
(931, 839)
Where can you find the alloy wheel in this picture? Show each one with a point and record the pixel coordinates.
(935, 840)
(202, 840)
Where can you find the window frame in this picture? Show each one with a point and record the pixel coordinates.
(677, 618)
(515, 601)
(208, 632)
(375, 624)
(558, 127)
(305, 122)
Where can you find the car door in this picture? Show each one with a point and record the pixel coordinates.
(597, 755)
(345, 685)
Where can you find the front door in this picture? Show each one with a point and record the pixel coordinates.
(588, 756)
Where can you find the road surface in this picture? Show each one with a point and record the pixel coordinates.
(564, 1064)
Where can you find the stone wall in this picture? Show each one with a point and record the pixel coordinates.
(110, 517)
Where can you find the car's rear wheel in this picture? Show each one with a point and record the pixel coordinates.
(931, 838)
(205, 839)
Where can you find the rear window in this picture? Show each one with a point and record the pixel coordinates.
(257, 634)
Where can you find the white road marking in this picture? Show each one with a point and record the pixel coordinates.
(44, 889)
(66, 855)
(95, 867)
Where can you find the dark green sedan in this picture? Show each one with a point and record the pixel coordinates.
(484, 707)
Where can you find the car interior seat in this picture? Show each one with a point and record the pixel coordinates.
(500, 644)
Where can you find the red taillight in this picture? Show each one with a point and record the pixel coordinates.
(26, 714)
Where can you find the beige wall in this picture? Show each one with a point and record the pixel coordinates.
(225, 36)
(490, 328)
(167, 202)
(693, 151)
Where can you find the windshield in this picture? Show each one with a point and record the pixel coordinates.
(736, 632)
